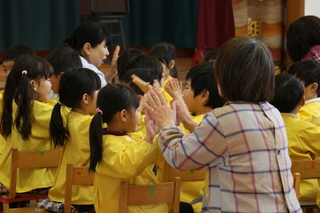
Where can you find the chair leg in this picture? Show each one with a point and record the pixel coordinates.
(5, 207)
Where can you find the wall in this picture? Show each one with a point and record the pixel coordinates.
(311, 7)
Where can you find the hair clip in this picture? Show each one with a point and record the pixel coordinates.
(99, 111)
(24, 72)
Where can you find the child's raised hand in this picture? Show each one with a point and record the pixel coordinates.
(159, 109)
(183, 114)
(151, 127)
(144, 86)
(173, 88)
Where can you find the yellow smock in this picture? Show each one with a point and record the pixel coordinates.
(125, 158)
(77, 152)
(303, 141)
(29, 179)
(310, 111)
(2, 139)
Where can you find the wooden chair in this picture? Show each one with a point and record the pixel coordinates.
(304, 170)
(75, 176)
(150, 194)
(28, 159)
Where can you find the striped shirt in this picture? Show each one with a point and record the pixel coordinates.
(245, 147)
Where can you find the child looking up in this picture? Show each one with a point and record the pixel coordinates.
(119, 154)
(69, 128)
(166, 54)
(25, 120)
(13, 53)
(243, 144)
(303, 137)
(308, 73)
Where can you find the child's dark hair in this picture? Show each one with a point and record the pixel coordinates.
(202, 78)
(16, 51)
(111, 99)
(126, 60)
(302, 35)
(19, 90)
(145, 74)
(73, 84)
(146, 61)
(288, 93)
(307, 71)
(212, 55)
(64, 59)
(88, 32)
(165, 53)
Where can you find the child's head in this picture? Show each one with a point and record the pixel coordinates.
(62, 59)
(308, 72)
(244, 70)
(13, 53)
(126, 59)
(212, 55)
(117, 106)
(78, 90)
(90, 40)
(146, 61)
(288, 93)
(166, 54)
(28, 80)
(201, 89)
(302, 35)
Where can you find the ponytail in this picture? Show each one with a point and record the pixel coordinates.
(23, 119)
(95, 141)
(58, 131)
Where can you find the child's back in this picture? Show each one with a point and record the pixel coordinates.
(303, 137)
(25, 120)
(120, 154)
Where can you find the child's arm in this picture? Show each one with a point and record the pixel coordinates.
(144, 86)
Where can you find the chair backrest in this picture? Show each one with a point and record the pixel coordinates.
(303, 170)
(96, 7)
(168, 192)
(170, 173)
(32, 159)
(75, 176)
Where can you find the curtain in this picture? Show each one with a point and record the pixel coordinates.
(215, 23)
(262, 19)
(44, 24)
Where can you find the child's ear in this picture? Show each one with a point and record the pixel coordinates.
(123, 115)
(86, 48)
(33, 85)
(204, 96)
(171, 64)
(85, 98)
(314, 86)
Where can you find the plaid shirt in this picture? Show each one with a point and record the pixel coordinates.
(245, 147)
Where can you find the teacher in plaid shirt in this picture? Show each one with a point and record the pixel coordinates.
(243, 144)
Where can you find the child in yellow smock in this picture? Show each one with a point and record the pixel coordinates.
(69, 128)
(303, 137)
(117, 153)
(25, 121)
(308, 73)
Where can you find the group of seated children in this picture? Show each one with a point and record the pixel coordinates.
(120, 134)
